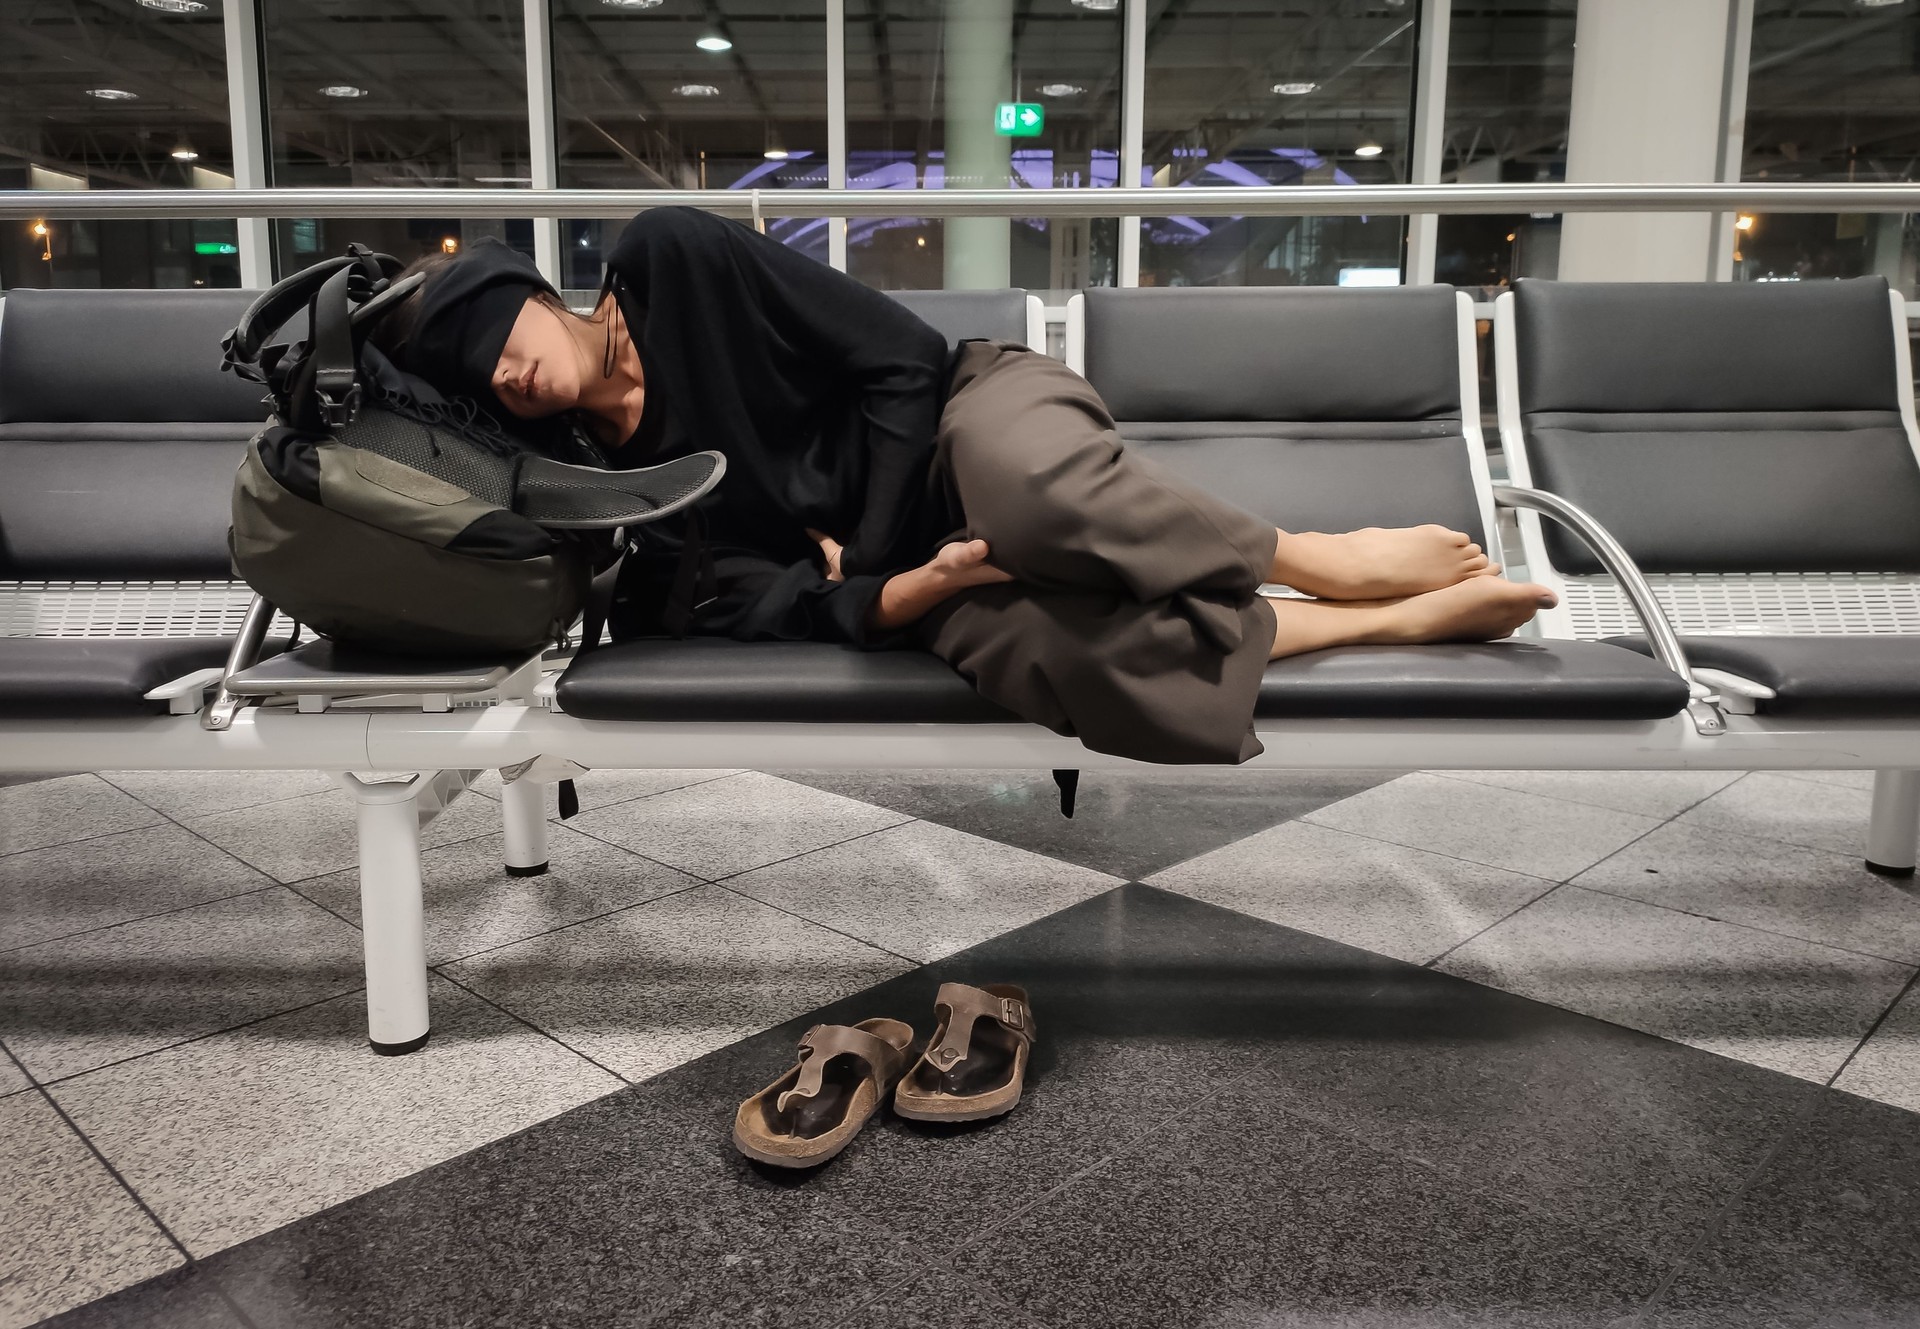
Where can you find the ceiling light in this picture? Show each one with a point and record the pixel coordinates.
(342, 90)
(776, 154)
(1061, 90)
(696, 90)
(503, 179)
(113, 94)
(714, 42)
(1744, 222)
(39, 228)
(1101, 5)
(176, 6)
(1368, 149)
(631, 4)
(449, 245)
(1297, 88)
(1878, 4)
(185, 153)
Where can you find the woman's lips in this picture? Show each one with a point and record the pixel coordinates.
(530, 386)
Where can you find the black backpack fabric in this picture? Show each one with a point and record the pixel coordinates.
(386, 516)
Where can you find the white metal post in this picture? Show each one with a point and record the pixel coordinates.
(542, 134)
(1733, 131)
(1895, 828)
(247, 116)
(392, 925)
(1133, 102)
(523, 813)
(1429, 133)
(837, 125)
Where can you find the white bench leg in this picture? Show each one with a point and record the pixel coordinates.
(1895, 829)
(392, 928)
(523, 808)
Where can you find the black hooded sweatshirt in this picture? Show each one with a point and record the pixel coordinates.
(824, 395)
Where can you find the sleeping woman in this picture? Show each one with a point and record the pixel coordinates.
(884, 489)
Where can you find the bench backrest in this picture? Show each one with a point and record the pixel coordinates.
(1720, 427)
(958, 315)
(1318, 409)
(119, 434)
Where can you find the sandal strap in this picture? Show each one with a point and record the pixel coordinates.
(964, 1005)
(822, 1043)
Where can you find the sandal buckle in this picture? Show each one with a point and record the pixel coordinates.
(1010, 1013)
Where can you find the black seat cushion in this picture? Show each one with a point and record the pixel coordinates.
(710, 680)
(1837, 676)
(62, 678)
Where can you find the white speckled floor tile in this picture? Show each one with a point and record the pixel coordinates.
(184, 794)
(70, 888)
(599, 789)
(1810, 893)
(922, 890)
(12, 1078)
(1648, 793)
(1387, 898)
(745, 821)
(297, 838)
(651, 987)
(1779, 1002)
(68, 1231)
(70, 1005)
(1502, 828)
(1888, 1067)
(473, 905)
(1802, 812)
(62, 810)
(1846, 779)
(236, 1134)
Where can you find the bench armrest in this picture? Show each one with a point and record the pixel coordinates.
(246, 649)
(1619, 565)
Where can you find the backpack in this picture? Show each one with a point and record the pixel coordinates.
(384, 515)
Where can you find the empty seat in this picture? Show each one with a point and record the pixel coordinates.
(1753, 448)
(958, 315)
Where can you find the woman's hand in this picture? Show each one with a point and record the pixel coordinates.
(909, 596)
(830, 551)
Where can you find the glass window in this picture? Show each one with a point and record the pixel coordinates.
(720, 95)
(1509, 94)
(982, 94)
(123, 96)
(367, 93)
(1246, 92)
(1833, 93)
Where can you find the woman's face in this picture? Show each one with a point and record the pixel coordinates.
(540, 366)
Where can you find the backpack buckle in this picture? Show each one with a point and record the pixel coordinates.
(339, 414)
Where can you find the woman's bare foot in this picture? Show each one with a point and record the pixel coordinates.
(964, 564)
(1376, 563)
(1480, 608)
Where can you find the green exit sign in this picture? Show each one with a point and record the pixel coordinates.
(214, 247)
(1018, 119)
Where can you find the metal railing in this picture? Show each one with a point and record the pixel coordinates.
(1283, 200)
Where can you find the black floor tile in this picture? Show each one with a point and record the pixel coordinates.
(1170, 1033)
(1129, 823)
(1225, 1222)
(944, 1298)
(183, 1299)
(1828, 1235)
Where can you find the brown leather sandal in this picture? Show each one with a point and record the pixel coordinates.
(972, 1070)
(813, 1111)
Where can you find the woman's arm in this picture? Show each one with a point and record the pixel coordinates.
(907, 597)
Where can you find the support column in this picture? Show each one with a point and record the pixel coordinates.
(247, 118)
(837, 126)
(979, 74)
(542, 135)
(1133, 103)
(392, 925)
(1893, 836)
(1429, 134)
(1649, 83)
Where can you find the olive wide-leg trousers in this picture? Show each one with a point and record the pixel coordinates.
(1133, 622)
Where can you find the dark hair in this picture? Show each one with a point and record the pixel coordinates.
(395, 328)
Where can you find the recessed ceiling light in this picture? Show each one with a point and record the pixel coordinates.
(631, 4)
(776, 154)
(1368, 150)
(185, 153)
(1098, 4)
(714, 42)
(1878, 4)
(1061, 90)
(696, 90)
(503, 179)
(113, 94)
(176, 6)
(344, 90)
(1295, 89)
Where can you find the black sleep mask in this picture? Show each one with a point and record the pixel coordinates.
(467, 311)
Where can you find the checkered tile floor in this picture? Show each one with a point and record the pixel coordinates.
(1356, 1050)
